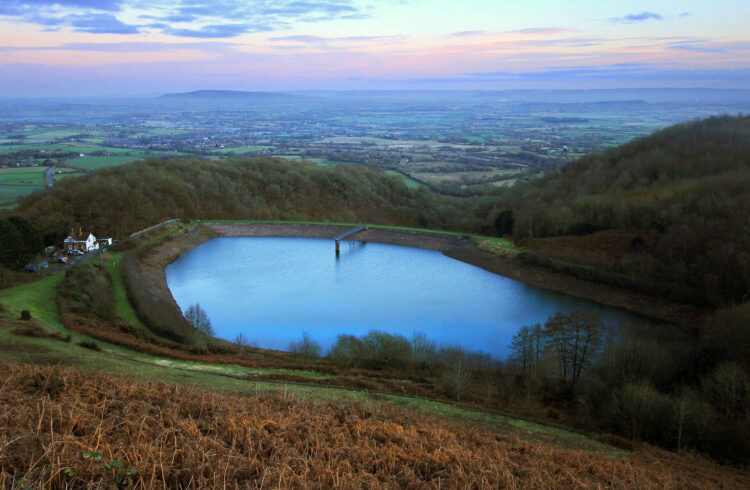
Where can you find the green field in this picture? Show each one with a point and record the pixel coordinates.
(19, 182)
(410, 183)
(95, 163)
(22, 175)
(237, 150)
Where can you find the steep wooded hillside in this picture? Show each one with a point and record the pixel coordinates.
(682, 193)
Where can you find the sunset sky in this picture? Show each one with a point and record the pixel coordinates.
(144, 47)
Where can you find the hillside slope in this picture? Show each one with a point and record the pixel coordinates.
(120, 200)
(681, 195)
(64, 427)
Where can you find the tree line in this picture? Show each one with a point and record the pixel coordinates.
(680, 389)
(119, 200)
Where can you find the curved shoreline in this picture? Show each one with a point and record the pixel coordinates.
(462, 248)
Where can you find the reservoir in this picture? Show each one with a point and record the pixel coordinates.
(273, 289)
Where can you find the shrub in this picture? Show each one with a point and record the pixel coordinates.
(642, 413)
(384, 350)
(348, 351)
(89, 345)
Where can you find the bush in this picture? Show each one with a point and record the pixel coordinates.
(384, 350)
(89, 345)
(727, 388)
(642, 413)
(348, 351)
(89, 289)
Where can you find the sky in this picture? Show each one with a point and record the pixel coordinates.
(148, 47)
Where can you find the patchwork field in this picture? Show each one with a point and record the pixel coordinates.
(19, 182)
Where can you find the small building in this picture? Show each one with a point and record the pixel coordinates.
(80, 241)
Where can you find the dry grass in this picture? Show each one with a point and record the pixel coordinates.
(179, 437)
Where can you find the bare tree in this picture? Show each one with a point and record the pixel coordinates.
(305, 348)
(457, 375)
(422, 350)
(573, 340)
(197, 317)
(526, 348)
(242, 341)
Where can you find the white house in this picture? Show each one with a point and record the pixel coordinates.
(76, 241)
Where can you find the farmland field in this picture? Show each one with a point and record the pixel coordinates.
(19, 182)
(410, 183)
(458, 143)
(97, 162)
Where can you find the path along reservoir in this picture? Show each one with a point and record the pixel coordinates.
(273, 289)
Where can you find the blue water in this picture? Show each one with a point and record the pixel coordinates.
(273, 289)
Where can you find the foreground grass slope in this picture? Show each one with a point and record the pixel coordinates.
(67, 428)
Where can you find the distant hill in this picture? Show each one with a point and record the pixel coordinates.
(228, 95)
(679, 198)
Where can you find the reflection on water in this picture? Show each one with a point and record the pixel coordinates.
(273, 289)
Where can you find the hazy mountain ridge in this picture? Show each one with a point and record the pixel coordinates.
(227, 94)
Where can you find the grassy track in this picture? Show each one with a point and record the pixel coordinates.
(410, 183)
(123, 308)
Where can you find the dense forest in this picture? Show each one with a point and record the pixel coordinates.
(682, 193)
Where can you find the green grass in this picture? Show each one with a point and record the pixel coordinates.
(19, 182)
(50, 135)
(243, 149)
(410, 183)
(9, 194)
(496, 244)
(39, 297)
(123, 308)
(94, 163)
(22, 175)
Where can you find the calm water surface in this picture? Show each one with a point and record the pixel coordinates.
(273, 289)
